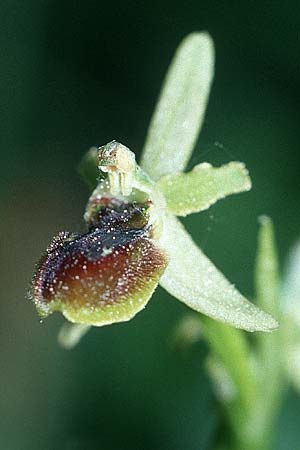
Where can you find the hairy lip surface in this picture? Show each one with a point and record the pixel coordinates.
(110, 264)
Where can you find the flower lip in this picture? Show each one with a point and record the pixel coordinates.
(64, 253)
(104, 275)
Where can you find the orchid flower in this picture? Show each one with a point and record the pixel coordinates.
(134, 239)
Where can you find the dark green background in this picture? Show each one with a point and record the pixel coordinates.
(76, 74)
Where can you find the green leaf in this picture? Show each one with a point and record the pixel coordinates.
(179, 113)
(192, 278)
(186, 193)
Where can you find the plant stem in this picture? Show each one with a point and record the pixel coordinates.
(248, 411)
(233, 351)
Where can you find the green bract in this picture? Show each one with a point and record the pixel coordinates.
(133, 239)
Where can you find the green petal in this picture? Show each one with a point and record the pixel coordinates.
(197, 190)
(179, 113)
(193, 279)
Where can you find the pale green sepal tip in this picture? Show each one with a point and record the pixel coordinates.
(70, 334)
(179, 114)
(197, 190)
(192, 278)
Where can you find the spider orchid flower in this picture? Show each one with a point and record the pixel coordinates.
(134, 240)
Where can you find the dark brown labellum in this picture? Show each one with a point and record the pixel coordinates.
(105, 275)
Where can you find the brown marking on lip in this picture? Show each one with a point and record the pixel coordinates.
(108, 265)
(111, 211)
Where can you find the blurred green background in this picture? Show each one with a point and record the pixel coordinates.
(76, 74)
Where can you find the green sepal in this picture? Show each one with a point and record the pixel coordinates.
(192, 278)
(179, 114)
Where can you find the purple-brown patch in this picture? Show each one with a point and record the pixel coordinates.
(116, 263)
